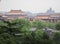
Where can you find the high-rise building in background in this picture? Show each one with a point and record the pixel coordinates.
(49, 16)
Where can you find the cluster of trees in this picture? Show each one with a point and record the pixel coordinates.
(18, 32)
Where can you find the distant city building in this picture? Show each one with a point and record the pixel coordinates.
(50, 11)
(49, 16)
(15, 14)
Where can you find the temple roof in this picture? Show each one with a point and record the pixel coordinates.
(16, 11)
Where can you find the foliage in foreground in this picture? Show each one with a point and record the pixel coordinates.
(15, 32)
(57, 26)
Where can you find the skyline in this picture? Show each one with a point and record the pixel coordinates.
(34, 6)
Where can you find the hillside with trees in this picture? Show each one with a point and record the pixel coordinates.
(18, 32)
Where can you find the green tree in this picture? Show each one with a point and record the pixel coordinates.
(38, 24)
(46, 39)
(57, 26)
(6, 38)
(56, 38)
(3, 26)
(50, 25)
(14, 26)
(22, 24)
(33, 37)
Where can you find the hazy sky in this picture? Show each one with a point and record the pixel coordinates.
(30, 5)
